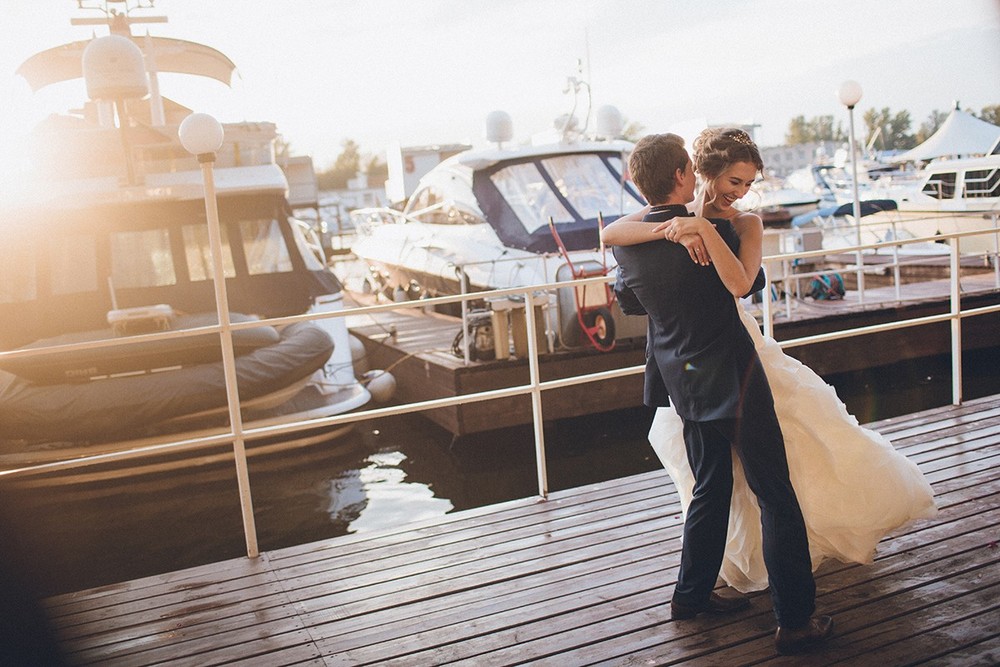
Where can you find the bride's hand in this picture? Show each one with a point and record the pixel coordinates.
(674, 228)
(696, 248)
(685, 230)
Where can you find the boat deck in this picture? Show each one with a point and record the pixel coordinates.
(581, 578)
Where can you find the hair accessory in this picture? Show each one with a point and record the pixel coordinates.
(742, 137)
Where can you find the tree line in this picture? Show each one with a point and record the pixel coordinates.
(884, 129)
(347, 166)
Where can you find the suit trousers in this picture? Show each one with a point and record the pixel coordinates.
(758, 442)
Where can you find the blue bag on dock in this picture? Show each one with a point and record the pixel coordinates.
(827, 287)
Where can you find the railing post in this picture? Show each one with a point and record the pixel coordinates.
(860, 276)
(785, 279)
(895, 270)
(956, 325)
(766, 302)
(460, 271)
(536, 396)
(996, 250)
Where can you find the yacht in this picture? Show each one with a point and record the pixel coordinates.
(110, 241)
(951, 195)
(957, 189)
(503, 217)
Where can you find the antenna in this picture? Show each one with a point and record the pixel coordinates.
(573, 85)
(118, 20)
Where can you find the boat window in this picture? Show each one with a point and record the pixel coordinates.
(425, 198)
(142, 259)
(432, 206)
(309, 245)
(982, 183)
(18, 282)
(73, 264)
(199, 253)
(589, 186)
(533, 201)
(940, 186)
(264, 247)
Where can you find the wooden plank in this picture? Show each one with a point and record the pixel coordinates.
(749, 639)
(264, 636)
(423, 633)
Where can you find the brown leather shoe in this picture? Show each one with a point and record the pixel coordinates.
(715, 604)
(809, 636)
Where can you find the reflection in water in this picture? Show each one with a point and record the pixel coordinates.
(389, 500)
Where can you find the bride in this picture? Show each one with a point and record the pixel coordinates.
(852, 485)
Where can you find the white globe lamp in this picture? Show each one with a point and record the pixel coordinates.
(849, 93)
(201, 134)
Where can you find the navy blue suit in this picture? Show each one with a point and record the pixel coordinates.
(701, 359)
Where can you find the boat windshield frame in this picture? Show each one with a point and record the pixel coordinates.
(519, 195)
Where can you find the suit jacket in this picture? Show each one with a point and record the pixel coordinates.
(699, 356)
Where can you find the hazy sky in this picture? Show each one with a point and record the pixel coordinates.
(429, 71)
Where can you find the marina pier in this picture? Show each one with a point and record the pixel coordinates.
(583, 577)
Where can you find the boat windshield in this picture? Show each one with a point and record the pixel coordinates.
(112, 257)
(573, 189)
(589, 188)
(566, 188)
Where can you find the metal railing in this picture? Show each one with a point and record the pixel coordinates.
(535, 386)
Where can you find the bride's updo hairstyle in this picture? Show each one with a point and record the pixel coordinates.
(716, 149)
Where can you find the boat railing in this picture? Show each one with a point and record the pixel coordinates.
(535, 387)
(389, 215)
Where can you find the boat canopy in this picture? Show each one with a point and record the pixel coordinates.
(519, 196)
(864, 208)
(960, 135)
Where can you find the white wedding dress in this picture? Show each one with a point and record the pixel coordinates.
(852, 485)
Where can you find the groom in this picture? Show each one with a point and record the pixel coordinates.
(701, 358)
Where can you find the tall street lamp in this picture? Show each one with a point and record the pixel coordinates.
(202, 135)
(849, 95)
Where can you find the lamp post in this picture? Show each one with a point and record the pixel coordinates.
(202, 135)
(849, 95)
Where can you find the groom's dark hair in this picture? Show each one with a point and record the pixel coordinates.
(653, 164)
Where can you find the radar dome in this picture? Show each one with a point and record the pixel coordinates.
(499, 127)
(609, 122)
(113, 69)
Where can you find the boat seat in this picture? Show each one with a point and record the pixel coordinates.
(58, 366)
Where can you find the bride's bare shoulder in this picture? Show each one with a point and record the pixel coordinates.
(746, 221)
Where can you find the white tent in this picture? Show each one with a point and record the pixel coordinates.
(961, 134)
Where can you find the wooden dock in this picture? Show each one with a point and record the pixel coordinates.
(417, 347)
(582, 578)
